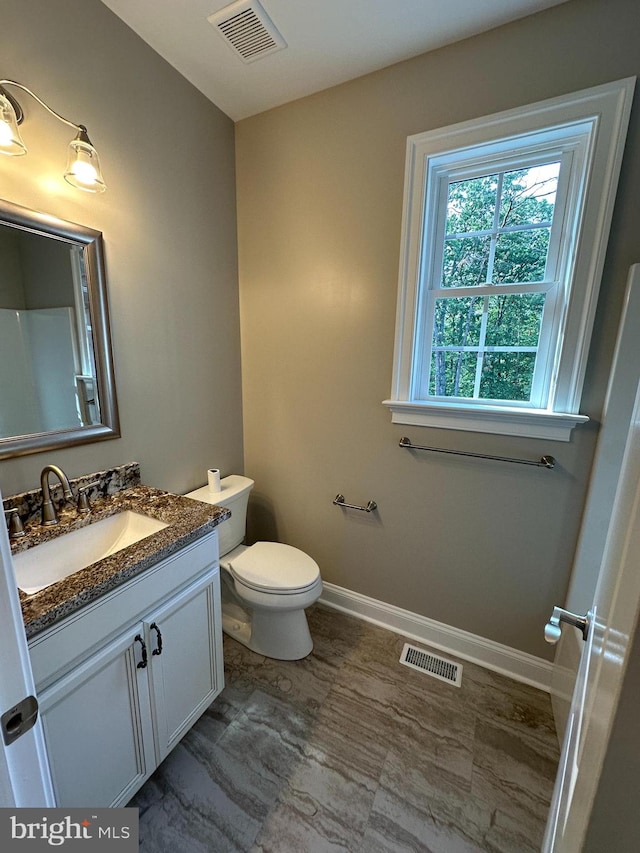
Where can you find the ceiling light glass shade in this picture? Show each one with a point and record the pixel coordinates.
(83, 166)
(10, 140)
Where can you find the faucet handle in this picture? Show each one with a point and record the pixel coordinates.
(83, 498)
(16, 530)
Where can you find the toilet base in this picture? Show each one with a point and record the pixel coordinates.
(278, 634)
(285, 637)
(236, 624)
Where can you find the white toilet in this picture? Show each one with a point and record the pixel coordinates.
(266, 586)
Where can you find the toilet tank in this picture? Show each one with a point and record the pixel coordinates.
(234, 494)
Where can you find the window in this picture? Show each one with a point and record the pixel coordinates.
(504, 232)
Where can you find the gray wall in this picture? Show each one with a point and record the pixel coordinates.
(11, 276)
(168, 220)
(47, 272)
(483, 546)
(35, 272)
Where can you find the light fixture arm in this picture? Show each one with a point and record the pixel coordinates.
(18, 109)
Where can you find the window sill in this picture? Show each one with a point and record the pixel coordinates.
(529, 423)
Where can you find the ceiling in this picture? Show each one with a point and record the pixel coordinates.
(327, 41)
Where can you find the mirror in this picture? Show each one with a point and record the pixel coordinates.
(56, 366)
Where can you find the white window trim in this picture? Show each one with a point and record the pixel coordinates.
(605, 110)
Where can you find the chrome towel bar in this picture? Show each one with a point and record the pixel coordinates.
(544, 461)
(339, 501)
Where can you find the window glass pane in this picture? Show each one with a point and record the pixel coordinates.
(507, 375)
(521, 256)
(453, 374)
(471, 205)
(529, 195)
(457, 322)
(514, 321)
(465, 261)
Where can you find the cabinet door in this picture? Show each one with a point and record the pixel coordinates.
(98, 728)
(185, 655)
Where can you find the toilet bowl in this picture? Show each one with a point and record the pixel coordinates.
(266, 586)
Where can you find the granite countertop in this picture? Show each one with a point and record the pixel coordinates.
(187, 521)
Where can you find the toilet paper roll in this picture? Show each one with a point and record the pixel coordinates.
(213, 478)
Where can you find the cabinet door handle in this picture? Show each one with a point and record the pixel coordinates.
(143, 662)
(158, 649)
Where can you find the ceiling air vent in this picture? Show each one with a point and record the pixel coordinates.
(247, 28)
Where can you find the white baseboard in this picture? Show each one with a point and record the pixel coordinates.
(510, 662)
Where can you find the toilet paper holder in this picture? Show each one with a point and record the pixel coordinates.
(339, 501)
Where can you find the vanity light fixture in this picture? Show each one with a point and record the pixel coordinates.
(83, 166)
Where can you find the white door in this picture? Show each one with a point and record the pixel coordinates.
(24, 771)
(603, 484)
(613, 618)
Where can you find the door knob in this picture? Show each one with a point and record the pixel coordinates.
(552, 630)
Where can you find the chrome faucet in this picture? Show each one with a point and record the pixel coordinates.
(49, 516)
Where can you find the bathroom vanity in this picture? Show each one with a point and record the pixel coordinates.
(127, 652)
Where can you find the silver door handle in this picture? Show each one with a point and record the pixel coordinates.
(552, 630)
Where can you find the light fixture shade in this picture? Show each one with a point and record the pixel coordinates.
(10, 140)
(83, 166)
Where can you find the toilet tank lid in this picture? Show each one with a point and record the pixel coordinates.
(230, 487)
(271, 565)
(234, 485)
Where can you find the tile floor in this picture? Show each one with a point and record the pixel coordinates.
(348, 751)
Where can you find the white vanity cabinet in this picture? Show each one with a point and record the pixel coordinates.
(183, 641)
(121, 680)
(98, 728)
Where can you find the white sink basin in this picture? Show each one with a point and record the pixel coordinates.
(45, 564)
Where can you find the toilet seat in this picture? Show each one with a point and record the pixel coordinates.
(274, 567)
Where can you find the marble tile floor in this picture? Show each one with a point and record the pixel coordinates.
(348, 751)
